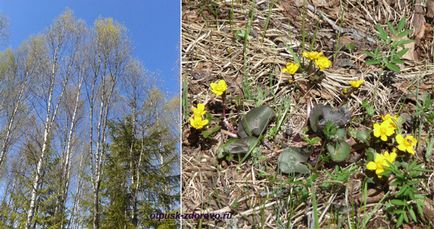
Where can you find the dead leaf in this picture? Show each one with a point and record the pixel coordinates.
(430, 8)
(428, 210)
(320, 3)
(418, 21)
(411, 55)
(299, 3)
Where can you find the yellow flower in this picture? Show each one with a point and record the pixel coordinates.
(356, 83)
(312, 55)
(383, 130)
(219, 87)
(390, 157)
(199, 110)
(392, 120)
(323, 63)
(377, 165)
(381, 161)
(345, 90)
(291, 68)
(406, 144)
(197, 122)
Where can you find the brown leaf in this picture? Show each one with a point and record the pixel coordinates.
(319, 3)
(418, 24)
(411, 55)
(428, 210)
(430, 8)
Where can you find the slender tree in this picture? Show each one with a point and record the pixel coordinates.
(58, 57)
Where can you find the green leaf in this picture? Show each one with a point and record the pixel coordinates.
(313, 141)
(392, 28)
(341, 134)
(363, 136)
(236, 146)
(371, 54)
(370, 154)
(401, 24)
(381, 32)
(291, 161)
(395, 44)
(255, 121)
(398, 202)
(400, 219)
(404, 33)
(210, 131)
(393, 67)
(412, 214)
(369, 108)
(402, 52)
(340, 152)
(372, 62)
(397, 61)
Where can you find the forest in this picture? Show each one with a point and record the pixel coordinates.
(87, 139)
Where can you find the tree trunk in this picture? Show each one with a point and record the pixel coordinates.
(67, 167)
(10, 124)
(76, 203)
(35, 185)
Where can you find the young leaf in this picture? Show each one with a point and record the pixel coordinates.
(404, 33)
(401, 24)
(398, 202)
(210, 131)
(401, 52)
(381, 32)
(392, 28)
(412, 214)
(393, 67)
(372, 62)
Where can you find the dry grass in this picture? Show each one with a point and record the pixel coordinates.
(253, 191)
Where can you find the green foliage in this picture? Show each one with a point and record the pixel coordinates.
(339, 151)
(368, 107)
(406, 204)
(311, 141)
(337, 148)
(210, 131)
(425, 109)
(338, 177)
(391, 47)
(291, 161)
(255, 121)
(281, 116)
(236, 146)
(154, 180)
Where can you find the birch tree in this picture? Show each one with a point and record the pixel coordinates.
(110, 53)
(57, 59)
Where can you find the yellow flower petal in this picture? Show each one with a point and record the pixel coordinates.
(312, 55)
(356, 83)
(323, 63)
(379, 171)
(291, 68)
(197, 122)
(399, 139)
(377, 131)
(219, 88)
(371, 165)
(199, 110)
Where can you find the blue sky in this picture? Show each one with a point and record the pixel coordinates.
(153, 28)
